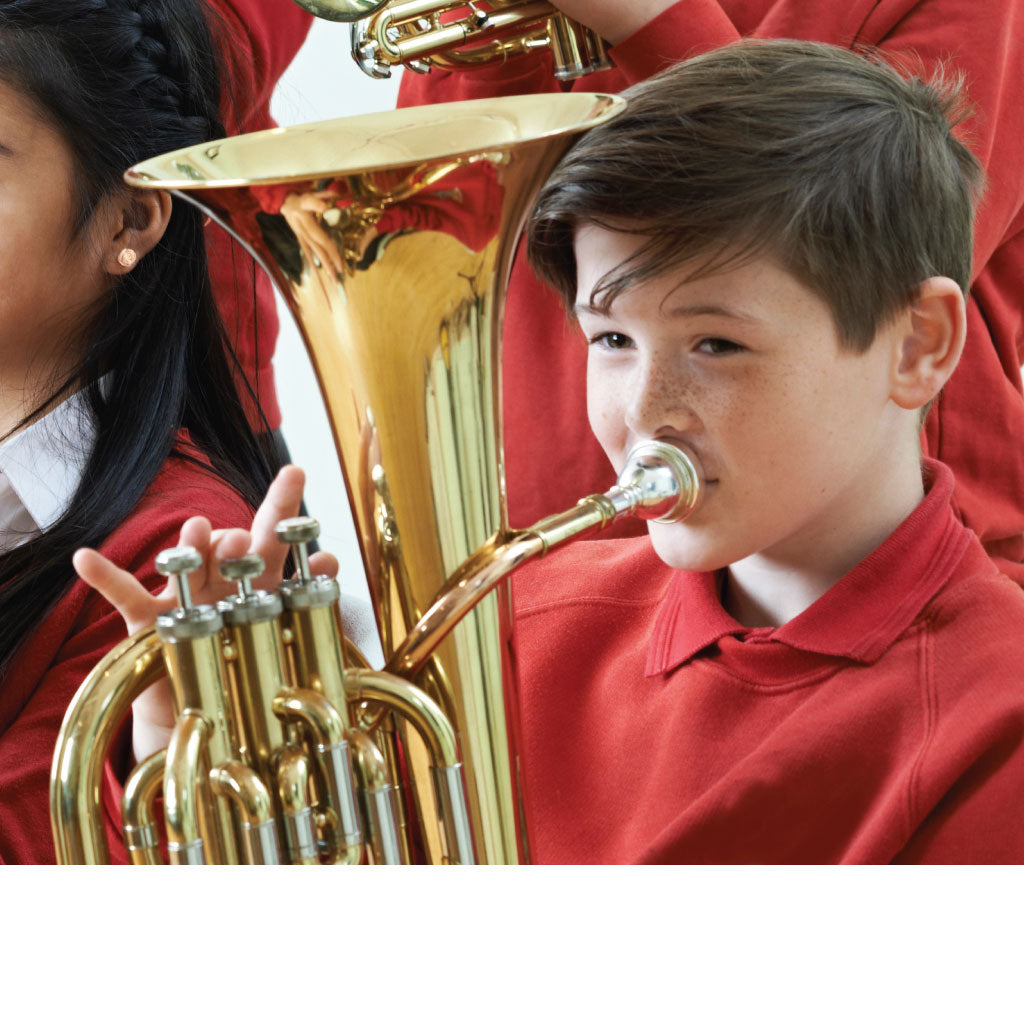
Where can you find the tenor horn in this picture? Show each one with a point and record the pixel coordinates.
(391, 239)
(421, 34)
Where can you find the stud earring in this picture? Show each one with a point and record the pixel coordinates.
(127, 257)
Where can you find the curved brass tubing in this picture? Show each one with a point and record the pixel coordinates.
(244, 789)
(375, 784)
(438, 735)
(99, 707)
(328, 727)
(293, 769)
(138, 820)
(182, 778)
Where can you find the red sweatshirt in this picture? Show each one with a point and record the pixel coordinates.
(80, 630)
(259, 40)
(977, 426)
(884, 723)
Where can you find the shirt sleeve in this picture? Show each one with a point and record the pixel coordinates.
(977, 820)
(258, 40)
(27, 749)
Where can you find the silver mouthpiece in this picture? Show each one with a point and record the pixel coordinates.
(663, 480)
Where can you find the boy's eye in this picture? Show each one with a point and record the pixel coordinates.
(718, 346)
(612, 340)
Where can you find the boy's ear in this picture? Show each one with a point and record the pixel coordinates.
(931, 341)
(135, 222)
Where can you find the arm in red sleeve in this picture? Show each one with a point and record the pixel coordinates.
(258, 41)
(27, 747)
(688, 27)
(976, 822)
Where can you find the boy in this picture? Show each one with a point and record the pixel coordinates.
(767, 253)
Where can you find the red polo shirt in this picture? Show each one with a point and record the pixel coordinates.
(886, 722)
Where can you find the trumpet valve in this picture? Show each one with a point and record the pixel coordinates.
(178, 563)
(242, 571)
(299, 532)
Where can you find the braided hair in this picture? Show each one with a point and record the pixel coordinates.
(124, 80)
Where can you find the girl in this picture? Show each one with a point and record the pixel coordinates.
(119, 413)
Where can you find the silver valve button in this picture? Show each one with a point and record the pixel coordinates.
(179, 562)
(299, 532)
(242, 571)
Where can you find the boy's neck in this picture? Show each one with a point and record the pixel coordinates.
(771, 588)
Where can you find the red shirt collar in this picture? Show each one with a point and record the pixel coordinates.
(858, 618)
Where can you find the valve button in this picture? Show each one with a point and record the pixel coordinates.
(300, 530)
(175, 561)
(243, 568)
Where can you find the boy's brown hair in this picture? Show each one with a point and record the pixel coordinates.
(828, 161)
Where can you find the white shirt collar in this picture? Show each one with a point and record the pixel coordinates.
(41, 468)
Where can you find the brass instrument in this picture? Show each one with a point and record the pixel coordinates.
(392, 247)
(421, 34)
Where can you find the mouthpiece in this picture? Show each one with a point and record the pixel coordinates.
(662, 480)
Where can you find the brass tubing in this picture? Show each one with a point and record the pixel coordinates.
(379, 799)
(577, 50)
(182, 781)
(328, 728)
(659, 481)
(451, 802)
(481, 573)
(254, 661)
(412, 704)
(443, 37)
(139, 823)
(242, 787)
(437, 733)
(98, 709)
(316, 641)
(293, 772)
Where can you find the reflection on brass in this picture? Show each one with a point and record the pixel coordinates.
(421, 34)
(288, 746)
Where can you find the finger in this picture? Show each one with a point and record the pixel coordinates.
(136, 605)
(323, 563)
(196, 533)
(225, 545)
(283, 500)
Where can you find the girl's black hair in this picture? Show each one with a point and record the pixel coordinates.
(123, 80)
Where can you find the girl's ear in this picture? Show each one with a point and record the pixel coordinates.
(136, 222)
(930, 345)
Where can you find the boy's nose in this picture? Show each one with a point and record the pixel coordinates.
(659, 401)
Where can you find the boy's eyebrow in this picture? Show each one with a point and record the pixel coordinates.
(688, 309)
(711, 309)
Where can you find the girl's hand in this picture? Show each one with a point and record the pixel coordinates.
(153, 712)
(614, 20)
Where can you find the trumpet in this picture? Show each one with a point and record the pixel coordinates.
(421, 34)
(288, 747)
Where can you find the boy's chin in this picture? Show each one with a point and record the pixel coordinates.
(681, 548)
